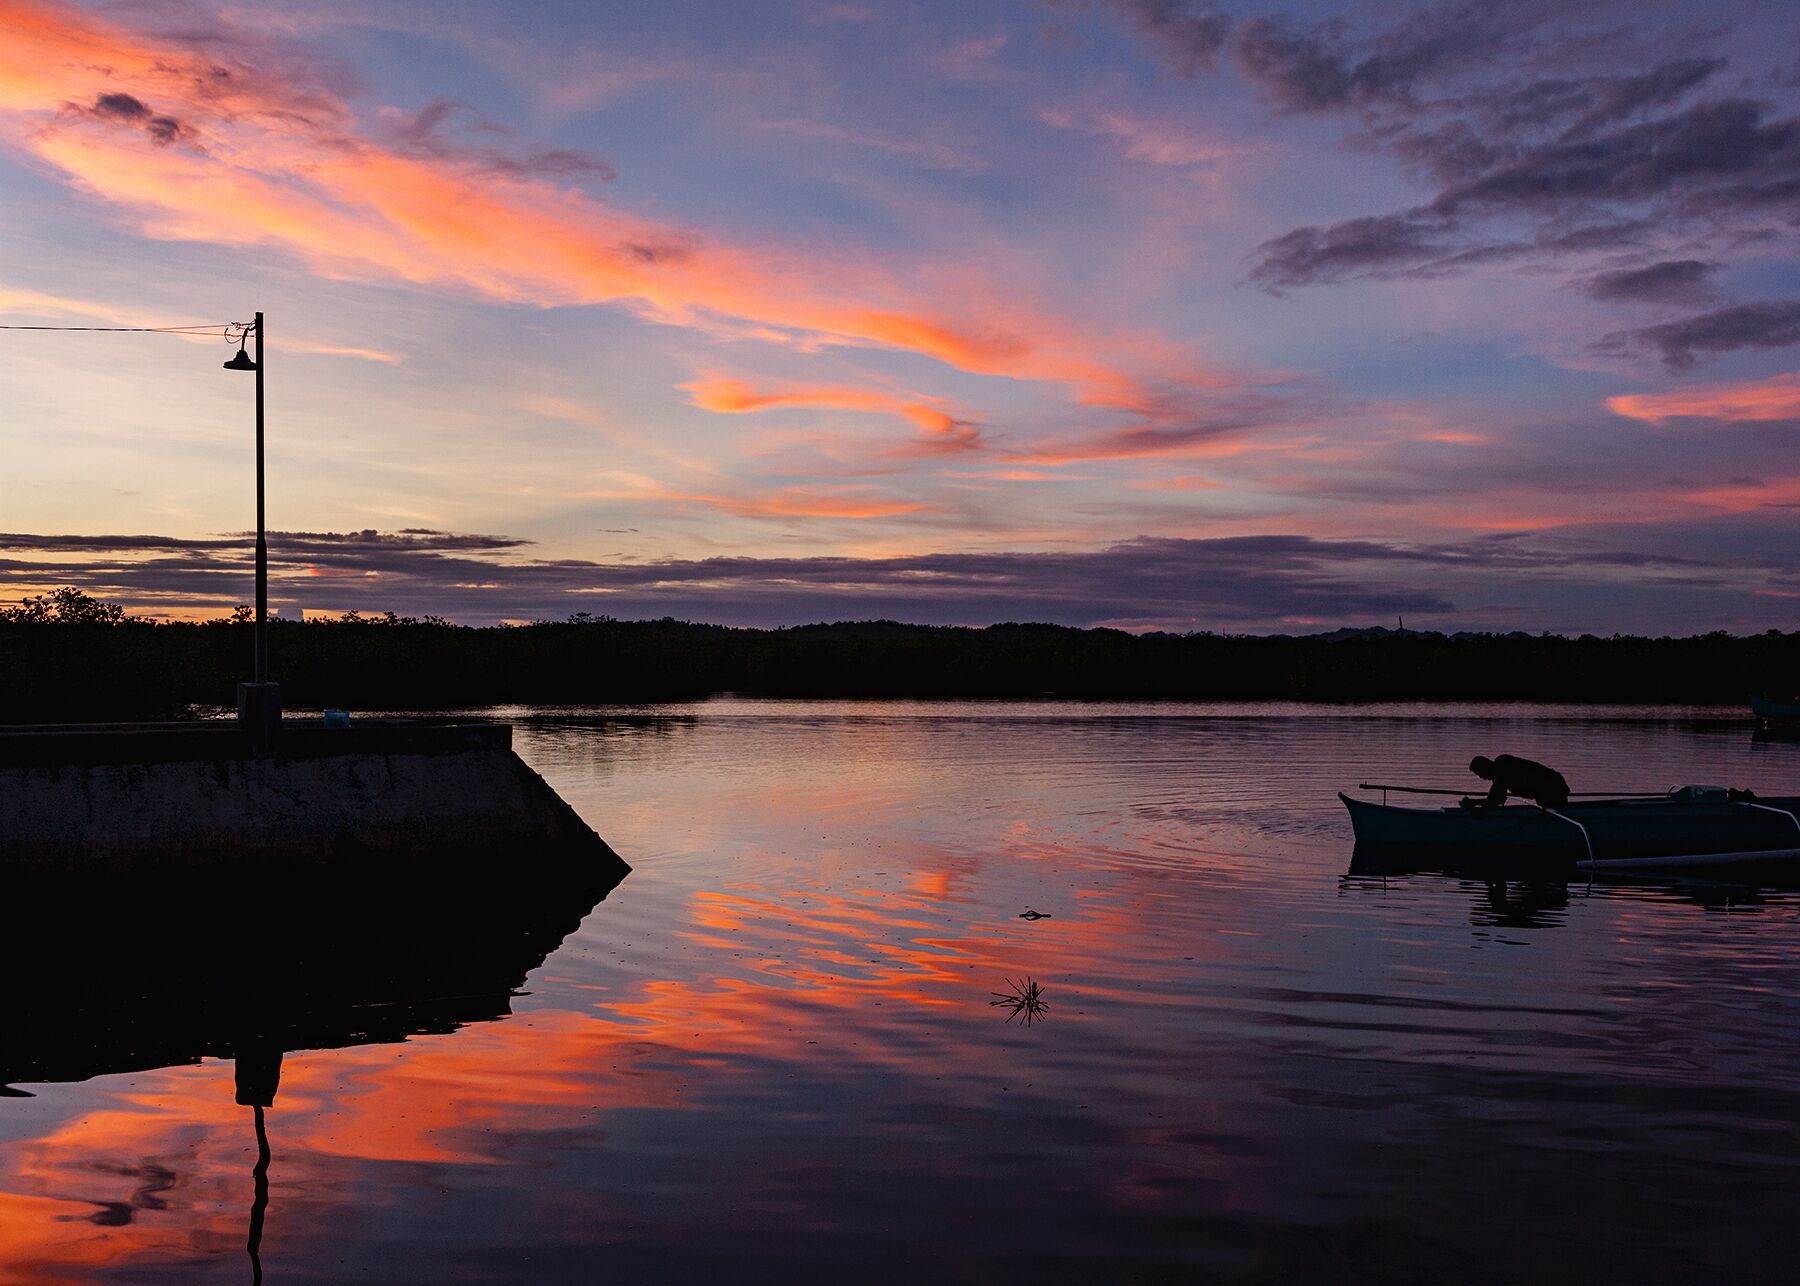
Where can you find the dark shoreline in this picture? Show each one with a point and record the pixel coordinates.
(58, 671)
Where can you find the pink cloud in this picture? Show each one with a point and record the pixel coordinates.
(1151, 141)
(1013, 475)
(1186, 482)
(1199, 441)
(1777, 398)
(256, 153)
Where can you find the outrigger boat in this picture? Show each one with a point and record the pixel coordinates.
(1771, 711)
(1687, 826)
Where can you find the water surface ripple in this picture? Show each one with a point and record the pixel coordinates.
(770, 1054)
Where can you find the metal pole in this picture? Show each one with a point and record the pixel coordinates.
(262, 545)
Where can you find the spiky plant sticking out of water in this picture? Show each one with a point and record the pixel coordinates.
(1023, 999)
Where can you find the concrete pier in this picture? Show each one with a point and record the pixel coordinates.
(382, 797)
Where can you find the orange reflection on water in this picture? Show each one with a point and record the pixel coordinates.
(162, 1171)
(156, 1169)
(162, 1176)
(817, 955)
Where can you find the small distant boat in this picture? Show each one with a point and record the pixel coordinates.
(1769, 710)
(1690, 824)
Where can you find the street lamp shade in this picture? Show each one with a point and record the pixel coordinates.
(242, 362)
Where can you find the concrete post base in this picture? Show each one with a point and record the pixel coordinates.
(259, 714)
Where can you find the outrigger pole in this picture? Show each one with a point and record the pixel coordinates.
(1574, 794)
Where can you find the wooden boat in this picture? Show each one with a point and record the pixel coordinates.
(1689, 822)
(1769, 710)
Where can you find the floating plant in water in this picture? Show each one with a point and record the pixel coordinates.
(1023, 1000)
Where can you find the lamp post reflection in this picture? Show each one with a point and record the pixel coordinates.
(258, 1077)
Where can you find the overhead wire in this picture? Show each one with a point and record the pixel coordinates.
(197, 328)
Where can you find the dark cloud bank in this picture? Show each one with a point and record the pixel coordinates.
(1681, 344)
(129, 111)
(1250, 582)
(1547, 130)
(1681, 281)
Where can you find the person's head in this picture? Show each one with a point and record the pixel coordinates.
(1482, 767)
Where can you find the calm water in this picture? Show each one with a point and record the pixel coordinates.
(769, 1055)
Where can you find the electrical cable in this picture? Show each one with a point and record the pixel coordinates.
(198, 328)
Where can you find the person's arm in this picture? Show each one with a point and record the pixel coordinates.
(1496, 796)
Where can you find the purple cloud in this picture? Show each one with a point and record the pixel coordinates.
(426, 133)
(1189, 41)
(1217, 583)
(1672, 281)
(1544, 143)
(1681, 344)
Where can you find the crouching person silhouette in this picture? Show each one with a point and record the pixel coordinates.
(1523, 778)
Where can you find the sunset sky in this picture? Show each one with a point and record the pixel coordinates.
(1240, 316)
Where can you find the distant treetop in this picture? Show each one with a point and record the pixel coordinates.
(65, 606)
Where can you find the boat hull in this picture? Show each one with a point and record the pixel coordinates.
(1614, 828)
(1770, 710)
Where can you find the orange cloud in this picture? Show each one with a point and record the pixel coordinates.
(734, 397)
(1015, 475)
(1187, 482)
(944, 432)
(1137, 443)
(253, 154)
(1770, 399)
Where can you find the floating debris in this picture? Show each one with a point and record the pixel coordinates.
(1033, 915)
(1024, 1000)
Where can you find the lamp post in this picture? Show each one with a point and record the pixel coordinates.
(259, 701)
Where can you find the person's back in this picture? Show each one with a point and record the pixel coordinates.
(1525, 778)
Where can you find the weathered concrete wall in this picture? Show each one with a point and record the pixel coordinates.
(376, 802)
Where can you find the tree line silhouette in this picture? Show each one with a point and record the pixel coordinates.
(65, 656)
